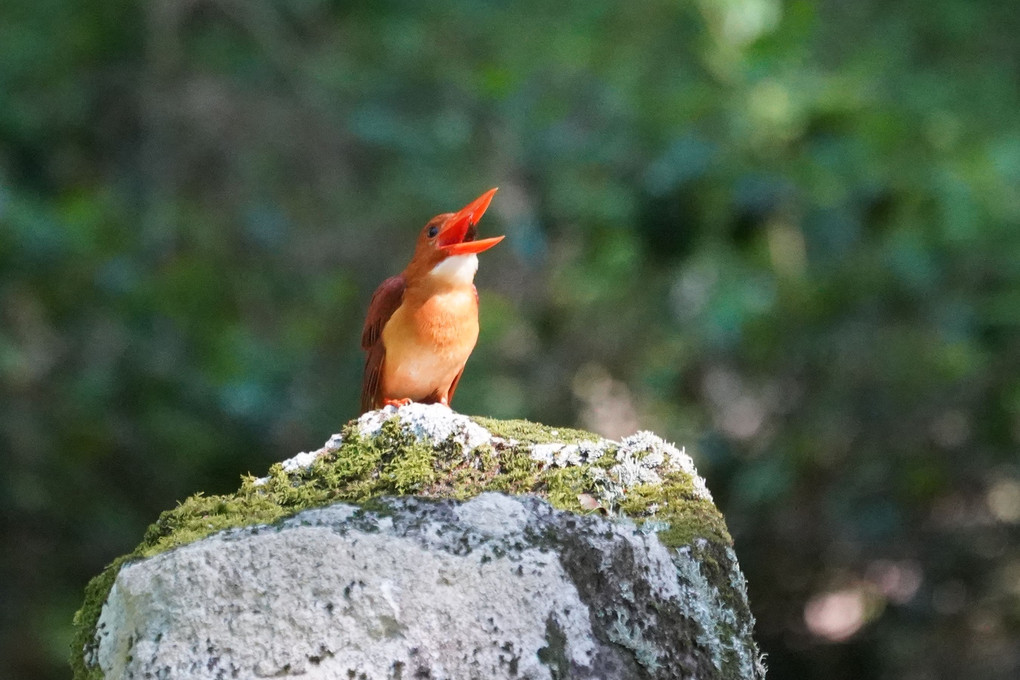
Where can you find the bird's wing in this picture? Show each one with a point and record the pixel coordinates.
(385, 301)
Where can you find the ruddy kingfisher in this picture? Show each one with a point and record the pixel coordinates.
(423, 323)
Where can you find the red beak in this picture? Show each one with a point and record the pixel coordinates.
(461, 226)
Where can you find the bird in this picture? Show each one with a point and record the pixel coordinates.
(422, 324)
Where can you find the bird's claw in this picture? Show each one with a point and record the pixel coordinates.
(397, 402)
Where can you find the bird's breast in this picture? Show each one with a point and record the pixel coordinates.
(428, 341)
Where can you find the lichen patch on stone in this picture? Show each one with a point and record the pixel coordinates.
(721, 619)
(566, 455)
(648, 451)
(432, 423)
(304, 460)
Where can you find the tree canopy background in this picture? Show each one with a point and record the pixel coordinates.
(784, 234)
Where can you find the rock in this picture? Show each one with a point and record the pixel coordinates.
(421, 543)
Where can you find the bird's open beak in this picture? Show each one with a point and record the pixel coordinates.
(457, 236)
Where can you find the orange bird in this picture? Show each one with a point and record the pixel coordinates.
(423, 323)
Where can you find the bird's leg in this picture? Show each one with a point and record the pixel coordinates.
(397, 402)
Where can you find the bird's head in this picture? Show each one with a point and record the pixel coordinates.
(447, 246)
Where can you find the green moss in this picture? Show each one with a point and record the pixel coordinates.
(534, 433)
(564, 486)
(676, 504)
(393, 462)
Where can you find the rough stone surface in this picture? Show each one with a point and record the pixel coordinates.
(492, 587)
(386, 554)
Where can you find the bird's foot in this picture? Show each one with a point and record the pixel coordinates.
(397, 402)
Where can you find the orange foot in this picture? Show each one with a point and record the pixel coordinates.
(397, 402)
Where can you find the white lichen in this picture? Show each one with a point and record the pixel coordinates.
(564, 455)
(626, 633)
(304, 460)
(433, 423)
(706, 605)
(301, 461)
(645, 452)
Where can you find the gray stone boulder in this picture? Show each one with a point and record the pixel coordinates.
(421, 543)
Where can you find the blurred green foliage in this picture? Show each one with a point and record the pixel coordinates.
(784, 233)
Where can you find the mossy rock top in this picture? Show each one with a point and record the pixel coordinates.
(432, 452)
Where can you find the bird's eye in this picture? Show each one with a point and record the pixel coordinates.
(433, 230)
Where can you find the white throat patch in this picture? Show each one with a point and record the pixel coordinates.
(457, 269)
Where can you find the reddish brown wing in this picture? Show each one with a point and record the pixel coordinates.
(385, 301)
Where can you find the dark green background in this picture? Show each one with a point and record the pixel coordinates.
(785, 234)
